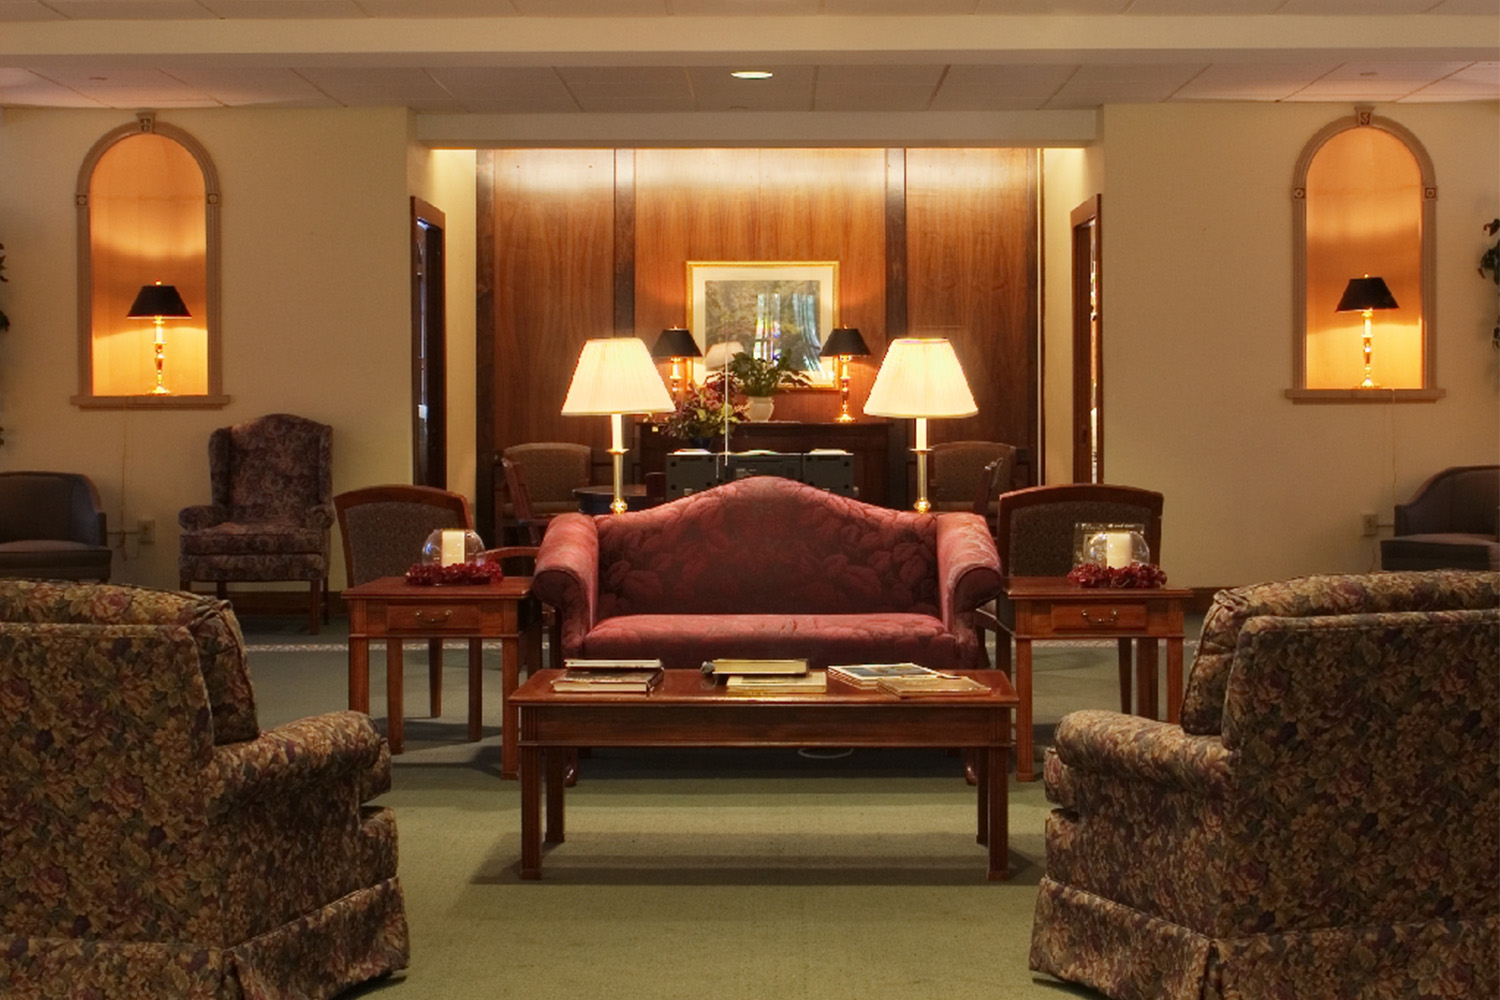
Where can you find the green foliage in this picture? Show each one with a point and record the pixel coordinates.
(1490, 261)
(758, 377)
(4, 319)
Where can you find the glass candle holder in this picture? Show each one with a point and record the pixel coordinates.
(1110, 545)
(450, 546)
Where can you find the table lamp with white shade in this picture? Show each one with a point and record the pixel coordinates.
(615, 376)
(920, 378)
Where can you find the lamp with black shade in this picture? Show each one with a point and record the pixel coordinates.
(844, 343)
(676, 343)
(158, 303)
(1365, 295)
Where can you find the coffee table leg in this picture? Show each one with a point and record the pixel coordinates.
(476, 690)
(359, 675)
(531, 814)
(510, 664)
(982, 785)
(557, 766)
(1174, 679)
(435, 677)
(393, 696)
(1024, 751)
(1124, 656)
(998, 820)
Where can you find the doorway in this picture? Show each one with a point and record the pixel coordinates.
(1088, 344)
(429, 339)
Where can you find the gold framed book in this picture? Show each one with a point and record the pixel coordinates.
(946, 684)
(868, 675)
(730, 667)
(584, 663)
(815, 682)
(609, 681)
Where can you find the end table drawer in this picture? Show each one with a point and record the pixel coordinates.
(428, 618)
(1097, 617)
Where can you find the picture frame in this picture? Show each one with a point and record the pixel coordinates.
(768, 307)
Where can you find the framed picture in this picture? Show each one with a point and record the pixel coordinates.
(770, 309)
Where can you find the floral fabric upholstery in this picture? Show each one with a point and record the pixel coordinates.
(1340, 839)
(141, 858)
(769, 567)
(1203, 698)
(272, 490)
(215, 632)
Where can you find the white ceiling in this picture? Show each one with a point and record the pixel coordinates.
(673, 57)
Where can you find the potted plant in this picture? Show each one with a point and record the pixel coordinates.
(759, 379)
(701, 414)
(4, 319)
(1490, 261)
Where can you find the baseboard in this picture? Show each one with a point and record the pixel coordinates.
(274, 602)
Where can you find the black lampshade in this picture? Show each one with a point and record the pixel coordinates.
(845, 340)
(1366, 293)
(676, 342)
(157, 300)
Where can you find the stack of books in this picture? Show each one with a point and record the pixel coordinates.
(868, 675)
(905, 679)
(609, 676)
(766, 677)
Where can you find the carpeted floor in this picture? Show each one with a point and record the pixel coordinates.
(726, 874)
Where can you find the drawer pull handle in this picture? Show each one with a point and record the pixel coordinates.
(1114, 616)
(434, 620)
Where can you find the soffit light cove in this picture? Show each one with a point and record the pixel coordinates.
(751, 74)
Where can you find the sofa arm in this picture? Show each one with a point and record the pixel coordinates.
(567, 575)
(321, 749)
(968, 565)
(1135, 749)
(201, 516)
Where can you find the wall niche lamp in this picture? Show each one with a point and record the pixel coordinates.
(677, 344)
(157, 303)
(845, 343)
(1365, 295)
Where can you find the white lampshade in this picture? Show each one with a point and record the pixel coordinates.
(616, 375)
(920, 377)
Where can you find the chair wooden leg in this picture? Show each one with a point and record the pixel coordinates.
(221, 590)
(315, 616)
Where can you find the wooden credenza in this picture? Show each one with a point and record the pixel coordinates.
(879, 450)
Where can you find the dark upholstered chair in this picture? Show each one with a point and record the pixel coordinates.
(1034, 531)
(552, 470)
(154, 842)
(1324, 823)
(959, 466)
(272, 489)
(52, 527)
(1452, 522)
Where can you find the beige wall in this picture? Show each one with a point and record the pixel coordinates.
(1197, 313)
(316, 314)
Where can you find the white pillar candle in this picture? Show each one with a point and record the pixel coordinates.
(453, 546)
(1116, 549)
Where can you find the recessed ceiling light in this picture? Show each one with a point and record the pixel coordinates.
(751, 74)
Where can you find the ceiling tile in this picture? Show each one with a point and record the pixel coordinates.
(908, 7)
(591, 8)
(363, 87)
(131, 10)
(789, 89)
(506, 89)
(1092, 86)
(130, 88)
(738, 8)
(1414, 73)
(437, 8)
(23, 87)
(1052, 6)
(998, 88)
(1180, 7)
(244, 86)
(1366, 7)
(629, 88)
(26, 10)
(1464, 7)
(875, 88)
(1251, 81)
(263, 9)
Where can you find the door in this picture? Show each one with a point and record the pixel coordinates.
(1088, 346)
(429, 339)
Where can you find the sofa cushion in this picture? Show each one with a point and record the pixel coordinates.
(767, 546)
(252, 538)
(687, 640)
(1436, 590)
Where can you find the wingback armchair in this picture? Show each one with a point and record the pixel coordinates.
(1324, 823)
(1451, 522)
(52, 527)
(154, 842)
(272, 490)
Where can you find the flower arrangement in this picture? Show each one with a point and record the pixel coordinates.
(759, 377)
(471, 573)
(1136, 575)
(702, 412)
(1490, 261)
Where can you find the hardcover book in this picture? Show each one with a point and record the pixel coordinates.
(813, 683)
(612, 681)
(732, 667)
(867, 675)
(938, 684)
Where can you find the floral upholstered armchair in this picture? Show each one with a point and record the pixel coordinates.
(272, 490)
(1325, 822)
(153, 841)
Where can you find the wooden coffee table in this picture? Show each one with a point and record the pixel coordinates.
(691, 710)
(392, 609)
(1038, 608)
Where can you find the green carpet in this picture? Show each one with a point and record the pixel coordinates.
(736, 875)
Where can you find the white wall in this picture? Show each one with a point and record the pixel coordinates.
(1197, 319)
(316, 315)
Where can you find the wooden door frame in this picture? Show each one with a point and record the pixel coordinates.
(1088, 336)
(436, 324)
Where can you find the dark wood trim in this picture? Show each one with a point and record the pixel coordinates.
(1088, 351)
(484, 344)
(895, 244)
(435, 372)
(624, 243)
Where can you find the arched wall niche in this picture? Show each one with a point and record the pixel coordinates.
(1364, 201)
(147, 200)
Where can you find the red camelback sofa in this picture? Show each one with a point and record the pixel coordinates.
(767, 567)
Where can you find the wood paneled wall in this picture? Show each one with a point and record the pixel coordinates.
(579, 243)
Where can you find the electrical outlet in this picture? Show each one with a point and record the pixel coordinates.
(1367, 525)
(146, 530)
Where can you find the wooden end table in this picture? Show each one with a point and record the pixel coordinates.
(1038, 608)
(691, 710)
(392, 609)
